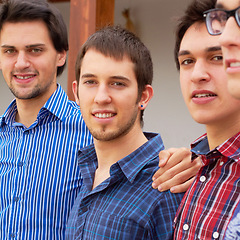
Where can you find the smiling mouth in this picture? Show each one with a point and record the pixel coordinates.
(104, 115)
(234, 64)
(204, 95)
(24, 77)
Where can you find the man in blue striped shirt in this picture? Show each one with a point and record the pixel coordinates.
(41, 130)
(114, 75)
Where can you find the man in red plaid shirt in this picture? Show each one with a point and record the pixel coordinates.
(211, 200)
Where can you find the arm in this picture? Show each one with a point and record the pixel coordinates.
(177, 171)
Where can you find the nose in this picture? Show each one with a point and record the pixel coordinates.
(102, 95)
(22, 61)
(200, 72)
(231, 34)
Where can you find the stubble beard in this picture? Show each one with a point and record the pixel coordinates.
(105, 135)
(33, 94)
(36, 91)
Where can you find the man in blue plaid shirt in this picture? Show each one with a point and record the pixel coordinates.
(114, 75)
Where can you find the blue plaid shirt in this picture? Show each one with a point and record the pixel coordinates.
(39, 174)
(124, 206)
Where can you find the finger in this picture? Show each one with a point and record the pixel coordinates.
(172, 170)
(162, 176)
(164, 155)
(177, 176)
(182, 187)
(157, 174)
(177, 155)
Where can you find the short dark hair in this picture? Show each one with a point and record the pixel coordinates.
(117, 42)
(193, 14)
(30, 10)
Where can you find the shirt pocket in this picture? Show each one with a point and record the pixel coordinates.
(104, 225)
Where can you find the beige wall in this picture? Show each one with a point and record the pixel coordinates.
(154, 21)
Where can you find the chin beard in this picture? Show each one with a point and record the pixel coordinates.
(35, 93)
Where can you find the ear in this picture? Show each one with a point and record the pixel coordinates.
(147, 94)
(75, 91)
(61, 58)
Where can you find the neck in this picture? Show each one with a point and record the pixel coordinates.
(218, 134)
(28, 109)
(109, 152)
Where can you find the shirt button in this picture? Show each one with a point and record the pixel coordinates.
(15, 199)
(185, 227)
(203, 179)
(12, 235)
(20, 164)
(221, 163)
(215, 235)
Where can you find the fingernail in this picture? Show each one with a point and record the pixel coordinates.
(159, 188)
(154, 185)
(162, 161)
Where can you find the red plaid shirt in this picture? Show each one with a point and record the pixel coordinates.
(208, 205)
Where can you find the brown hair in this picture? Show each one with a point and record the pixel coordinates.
(193, 14)
(30, 10)
(117, 42)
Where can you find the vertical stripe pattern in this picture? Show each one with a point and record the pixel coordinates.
(38, 169)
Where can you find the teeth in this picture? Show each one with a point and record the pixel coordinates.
(104, 115)
(203, 95)
(23, 77)
(235, 64)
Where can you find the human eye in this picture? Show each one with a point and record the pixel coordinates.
(118, 84)
(35, 50)
(217, 58)
(89, 82)
(185, 62)
(9, 50)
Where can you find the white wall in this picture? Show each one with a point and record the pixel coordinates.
(154, 21)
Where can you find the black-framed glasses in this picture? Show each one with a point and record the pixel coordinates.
(216, 19)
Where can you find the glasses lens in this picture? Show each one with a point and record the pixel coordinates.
(238, 16)
(216, 21)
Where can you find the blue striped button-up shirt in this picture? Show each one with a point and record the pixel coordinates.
(124, 206)
(39, 175)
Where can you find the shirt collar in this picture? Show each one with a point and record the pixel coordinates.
(230, 148)
(9, 116)
(130, 165)
(56, 104)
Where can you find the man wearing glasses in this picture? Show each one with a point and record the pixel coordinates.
(209, 203)
(224, 20)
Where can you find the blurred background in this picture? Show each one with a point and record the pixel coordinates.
(154, 22)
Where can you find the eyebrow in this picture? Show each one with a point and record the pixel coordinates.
(219, 5)
(183, 52)
(120, 78)
(214, 49)
(209, 49)
(28, 46)
(90, 75)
